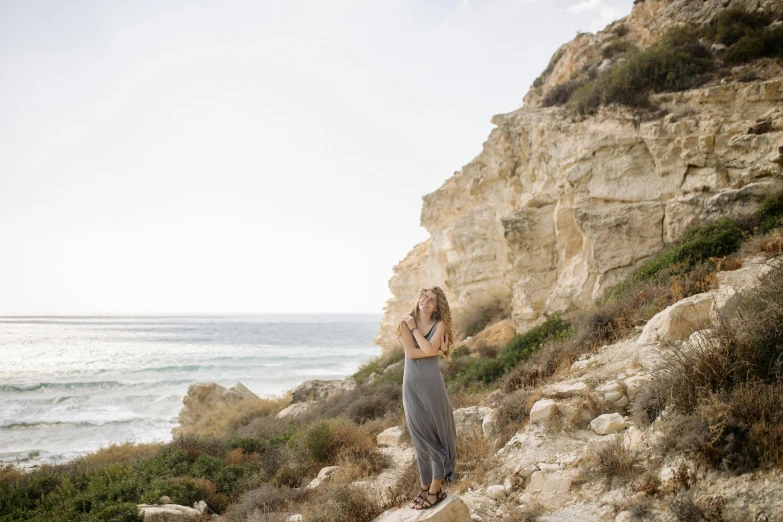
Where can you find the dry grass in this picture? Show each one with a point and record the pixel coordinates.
(334, 502)
(406, 487)
(122, 453)
(611, 462)
(707, 509)
(259, 503)
(769, 244)
(527, 513)
(513, 412)
(476, 458)
(226, 419)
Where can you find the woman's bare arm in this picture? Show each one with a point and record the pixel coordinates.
(427, 348)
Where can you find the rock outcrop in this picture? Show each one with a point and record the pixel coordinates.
(204, 397)
(555, 211)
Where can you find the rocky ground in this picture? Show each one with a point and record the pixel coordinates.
(543, 465)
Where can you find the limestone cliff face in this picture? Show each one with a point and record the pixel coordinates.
(555, 211)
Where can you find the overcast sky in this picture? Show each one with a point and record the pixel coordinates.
(244, 156)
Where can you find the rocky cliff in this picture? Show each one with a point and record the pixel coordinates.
(557, 209)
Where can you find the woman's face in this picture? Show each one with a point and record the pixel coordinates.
(428, 302)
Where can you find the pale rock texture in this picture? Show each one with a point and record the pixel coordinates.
(295, 410)
(168, 513)
(450, 509)
(324, 474)
(469, 421)
(203, 397)
(389, 437)
(608, 423)
(554, 212)
(497, 491)
(679, 320)
(550, 489)
(563, 390)
(542, 410)
(316, 390)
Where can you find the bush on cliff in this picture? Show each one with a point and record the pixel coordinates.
(676, 63)
(468, 372)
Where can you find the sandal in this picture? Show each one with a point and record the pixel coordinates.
(426, 504)
(419, 497)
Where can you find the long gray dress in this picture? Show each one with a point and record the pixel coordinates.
(429, 417)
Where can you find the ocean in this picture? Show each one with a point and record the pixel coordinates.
(71, 385)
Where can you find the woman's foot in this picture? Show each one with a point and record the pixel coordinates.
(421, 496)
(431, 500)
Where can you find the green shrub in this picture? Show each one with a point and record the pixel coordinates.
(615, 48)
(768, 42)
(561, 93)
(483, 371)
(320, 444)
(675, 63)
(735, 23)
(460, 351)
(771, 213)
(717, 239)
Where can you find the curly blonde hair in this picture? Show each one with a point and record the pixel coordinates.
(442, 313)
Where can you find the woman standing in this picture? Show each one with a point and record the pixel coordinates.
(426, 333)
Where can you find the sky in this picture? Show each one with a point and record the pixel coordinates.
(195, 157)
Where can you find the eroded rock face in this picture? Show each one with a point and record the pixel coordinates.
(316, 389)
(203, 397)
(554, 212)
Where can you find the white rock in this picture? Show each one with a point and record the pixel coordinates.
(295, 518)
(634, 384)
(168, 513)
(525, 469)
(489, 426)
(496, 491)
(389, 436)
(551, 490)
(469, 422)
(201, 507)
(679, 320)
(322, 476)
(607, 387)
(508, 484)
(542, 410)
(549, 468)
(450, 509)
(295, 410)
(563, 391)
(608, 423)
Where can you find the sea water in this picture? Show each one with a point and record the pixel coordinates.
(71, 385)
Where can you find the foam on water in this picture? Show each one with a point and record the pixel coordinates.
(70, 385)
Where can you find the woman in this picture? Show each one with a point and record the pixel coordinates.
(426, 333)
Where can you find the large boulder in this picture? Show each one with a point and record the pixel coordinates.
(679, 320)
(316, 390)
(608, 423)
(203, 397)
(390, 436)
(541, 411)
(295, 410)
(470, 421)
(450, 509)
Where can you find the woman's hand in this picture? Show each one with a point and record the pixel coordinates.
(409, 321)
